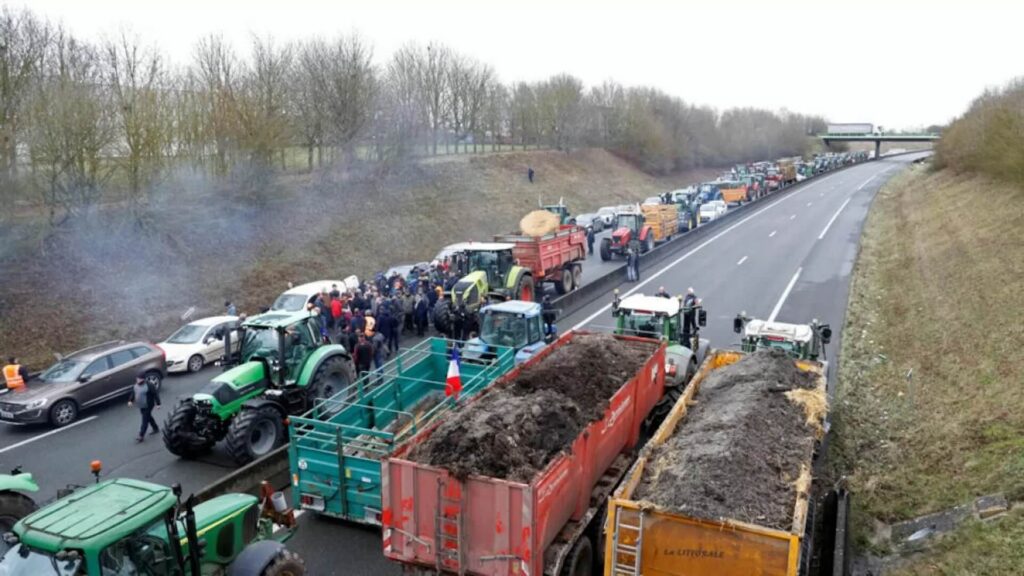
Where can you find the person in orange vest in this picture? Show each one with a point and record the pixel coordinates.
(15, 374)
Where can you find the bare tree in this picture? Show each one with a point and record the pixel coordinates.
(216, 70)
(262, 105)
(135, 76)
(559, 103)
(349, 88)
(434, 93)
(401, 100)
(496, 112)
(72, 130)
(23, 41)
(308, 101)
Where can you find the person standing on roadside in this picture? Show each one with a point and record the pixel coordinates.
(630, 256)
(530, 173)
(362, 356)
(590, 240)
(146, 397)
(15, 374)
(231, 309)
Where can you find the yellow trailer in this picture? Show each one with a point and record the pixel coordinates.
(663, 220)
(645, 539)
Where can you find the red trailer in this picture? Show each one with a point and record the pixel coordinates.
(488, 526)
(556, 257)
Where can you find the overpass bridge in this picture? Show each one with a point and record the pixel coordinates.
(877, 138)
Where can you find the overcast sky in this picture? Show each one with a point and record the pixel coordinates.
(894, 63)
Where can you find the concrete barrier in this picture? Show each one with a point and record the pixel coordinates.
(273, 468)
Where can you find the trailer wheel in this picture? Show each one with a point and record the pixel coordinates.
(564, 284)
(581, 559)
(606, 249)
(649, 243)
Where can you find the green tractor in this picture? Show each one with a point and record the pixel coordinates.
(15, 504)
(560, 210)
(129, 527)
(801, 341)
(662, 318)
(484, 269)
(282, 367)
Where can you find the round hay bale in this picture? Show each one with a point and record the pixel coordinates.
(539, 223)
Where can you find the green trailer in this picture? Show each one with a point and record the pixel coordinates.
(337, 447)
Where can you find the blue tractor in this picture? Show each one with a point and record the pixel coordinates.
(515, 324)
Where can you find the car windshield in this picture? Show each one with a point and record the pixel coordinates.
(646, 325)
(24, 561)
(259, 339)
(290, 302)
(504, 329)
(483, 259)
(63, 371)
(188, 334)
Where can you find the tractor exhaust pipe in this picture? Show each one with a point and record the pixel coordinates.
(193, 539)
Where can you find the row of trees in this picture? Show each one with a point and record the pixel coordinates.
(989, 137)
(78, 119)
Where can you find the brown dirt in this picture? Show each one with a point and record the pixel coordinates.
(739, 451)
(512, 432)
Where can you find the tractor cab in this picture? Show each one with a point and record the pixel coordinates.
(494, 259)
(560, 210)
(628, 223)
(662, 319)
(131, 527)
(515, 324)
(282, 341)
(801, 341)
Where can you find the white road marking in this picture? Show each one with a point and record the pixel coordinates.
(773, 233)
(44, 435)
(698, 248)
(861, 187)
(833, 219)
(785, 294)
(822, 195)
(742, 260)
(809, 204)
(793, 217)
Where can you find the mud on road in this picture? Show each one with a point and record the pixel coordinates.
(739, 451)
(514, 430)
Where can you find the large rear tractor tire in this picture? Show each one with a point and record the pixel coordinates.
(443, 316)
(333, 376)
(287, 563)
(179, 433)
(525, 289)
(13, 507)
(606, 249)
(564, 283)
(254, 433)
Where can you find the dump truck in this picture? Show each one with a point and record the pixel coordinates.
(647, 536)
(557, 257)
(436, 521)
(337, 447)
(734, 191)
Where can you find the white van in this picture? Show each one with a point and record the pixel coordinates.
(295, 299)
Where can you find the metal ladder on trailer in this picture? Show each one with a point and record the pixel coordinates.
(448, 533)
(626, 560)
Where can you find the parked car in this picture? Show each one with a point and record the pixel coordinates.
(198, 343)
(295, 298)
(590, 221)
(712, 210)
(607, 214)
(81, 380)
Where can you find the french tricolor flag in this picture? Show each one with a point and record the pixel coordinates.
(453, 385)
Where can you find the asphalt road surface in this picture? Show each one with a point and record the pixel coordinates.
(788, 258)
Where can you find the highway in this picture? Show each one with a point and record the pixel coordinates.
(788, 257)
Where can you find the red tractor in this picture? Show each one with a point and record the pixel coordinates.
(629, 227)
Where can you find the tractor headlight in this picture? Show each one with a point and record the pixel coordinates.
(36, 404)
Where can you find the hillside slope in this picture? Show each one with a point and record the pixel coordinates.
(121, 273)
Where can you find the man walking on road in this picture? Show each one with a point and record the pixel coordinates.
(147, 398)
(631, 258)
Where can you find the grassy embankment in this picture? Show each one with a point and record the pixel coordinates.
(930, 412)
(199, 243)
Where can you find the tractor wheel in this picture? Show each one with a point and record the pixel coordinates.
(179, 432)
(564, 283)
(581, 559)
(287, 563)
(443, 316)
(577, 276)
(13, 507)
(333, 376)
(255, 433)
(525, 289)
(606, 249)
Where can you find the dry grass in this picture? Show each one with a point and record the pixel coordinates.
(978, 549)
(244, 240)
(930, 411)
